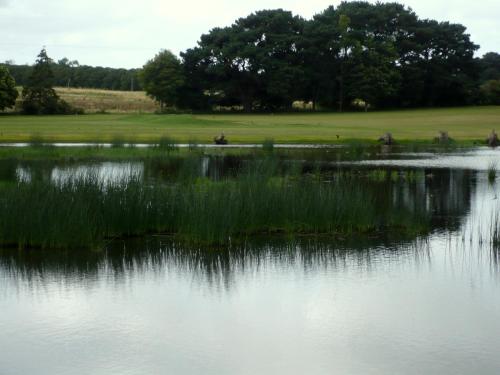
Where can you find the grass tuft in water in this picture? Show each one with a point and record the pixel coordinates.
(167, 144)
(268, 145)
(492, 171)
(117, 142)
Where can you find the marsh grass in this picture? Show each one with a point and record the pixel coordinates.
(118, 142)
(193, 144)
(268, 145)
(492, 171)
(85, 212)
(36, 140)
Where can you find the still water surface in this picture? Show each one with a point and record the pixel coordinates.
(426, 305)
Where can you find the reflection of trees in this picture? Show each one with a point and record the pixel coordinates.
(444, 194)
(449, 196)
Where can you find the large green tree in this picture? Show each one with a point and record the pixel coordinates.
(163, 78)
(8, 91)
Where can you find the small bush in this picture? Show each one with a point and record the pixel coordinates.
(268, 145)
(167, 144)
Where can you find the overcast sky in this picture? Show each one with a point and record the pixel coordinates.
(126, 33)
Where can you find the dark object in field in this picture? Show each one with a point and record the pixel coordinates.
(443, 138)
(387, 139)
(492, 139)
(221, 140)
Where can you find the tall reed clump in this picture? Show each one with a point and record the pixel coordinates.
(118, 142)
(167, 144)
(492, 171)
(84, 212)
(268, 145)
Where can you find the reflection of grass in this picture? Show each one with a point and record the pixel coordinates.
(83, 212)
(464, 125)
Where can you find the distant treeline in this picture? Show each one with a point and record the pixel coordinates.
(72, 74)
(356, 54)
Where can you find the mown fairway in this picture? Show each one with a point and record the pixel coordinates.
(463, 124)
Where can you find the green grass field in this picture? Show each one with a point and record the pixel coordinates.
(463, 124)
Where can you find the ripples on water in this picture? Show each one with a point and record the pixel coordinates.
(426, 305)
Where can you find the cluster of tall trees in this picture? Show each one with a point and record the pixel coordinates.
(374, 55)
(68, 73)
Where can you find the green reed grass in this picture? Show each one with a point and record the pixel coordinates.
(167, 144)
(268, 145)
(85, 212)
(117, 142)
(492, 171)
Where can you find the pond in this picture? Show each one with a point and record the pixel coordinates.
(380, 302)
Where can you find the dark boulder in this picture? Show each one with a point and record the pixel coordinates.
(492, 139)
(221, 140)
(387, 139)
(443, 138)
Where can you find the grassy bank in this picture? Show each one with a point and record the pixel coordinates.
(83, 212)
(465, 125)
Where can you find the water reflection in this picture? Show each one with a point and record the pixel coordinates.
(478, 159)
(372, 304)
(106, 172)
(122, 260)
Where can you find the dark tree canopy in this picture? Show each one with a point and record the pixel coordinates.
(38, 95)
(256, 62)
(490, 67)
(8, 91)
